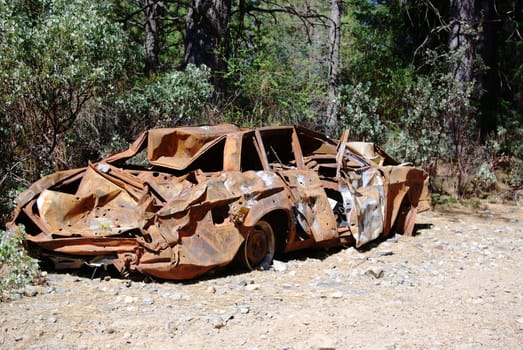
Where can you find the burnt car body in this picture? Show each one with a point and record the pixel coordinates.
(182, 201)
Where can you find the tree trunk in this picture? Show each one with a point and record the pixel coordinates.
(151, 11)
(488, 81)
(206, 27)
(334, 64)
(462, 20)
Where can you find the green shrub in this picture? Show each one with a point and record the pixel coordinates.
(17, 269)
(359, 113)
(170, 99)
(443, 201)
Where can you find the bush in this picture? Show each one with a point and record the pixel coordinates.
(359, 113)
(17, 269)
(170, 99)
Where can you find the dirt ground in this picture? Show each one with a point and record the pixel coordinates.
(457, 284)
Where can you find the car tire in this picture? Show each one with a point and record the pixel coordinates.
(258, 249)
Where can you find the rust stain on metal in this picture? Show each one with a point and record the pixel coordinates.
(182, 201)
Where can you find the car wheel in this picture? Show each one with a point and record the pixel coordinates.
(258, 248)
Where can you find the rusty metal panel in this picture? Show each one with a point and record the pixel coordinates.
(312, 205)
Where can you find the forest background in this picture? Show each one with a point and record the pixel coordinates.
(437, 83)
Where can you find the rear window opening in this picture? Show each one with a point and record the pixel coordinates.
(278, 147)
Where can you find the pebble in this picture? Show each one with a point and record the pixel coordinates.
(242, 283)
(227, 316)
(252, 287)
(148, 301)
(279, 266)
(30, 291)
(336, 295)
(375, 272)
(333, 273)
(217, 323)
(385, 253)
(176, 296)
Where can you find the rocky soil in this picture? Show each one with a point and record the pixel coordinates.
(457, 284)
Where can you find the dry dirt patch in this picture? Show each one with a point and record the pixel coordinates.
(456, 284)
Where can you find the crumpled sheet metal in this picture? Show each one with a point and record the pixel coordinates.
(178, 234)
(174, 223)
(367, 205)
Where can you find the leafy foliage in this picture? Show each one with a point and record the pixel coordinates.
(360, 114)
(275, 81)
(59, 58)
(173, 98)
(16, 268)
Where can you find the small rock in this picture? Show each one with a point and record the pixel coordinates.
(185, 319)
(176, 296)
(385, 253)
(332, 273)
(218, 323)
(148, 301)
(211, 290)
(336, 295)
(251, 287)
(242, 283)
(376, 273)
(30, 291)
(51, 320)
(50, 289)
(226, 317)
(279, 266)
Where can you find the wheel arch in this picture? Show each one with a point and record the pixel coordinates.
(280, 221)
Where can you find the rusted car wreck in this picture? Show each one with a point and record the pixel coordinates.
(182, 201)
